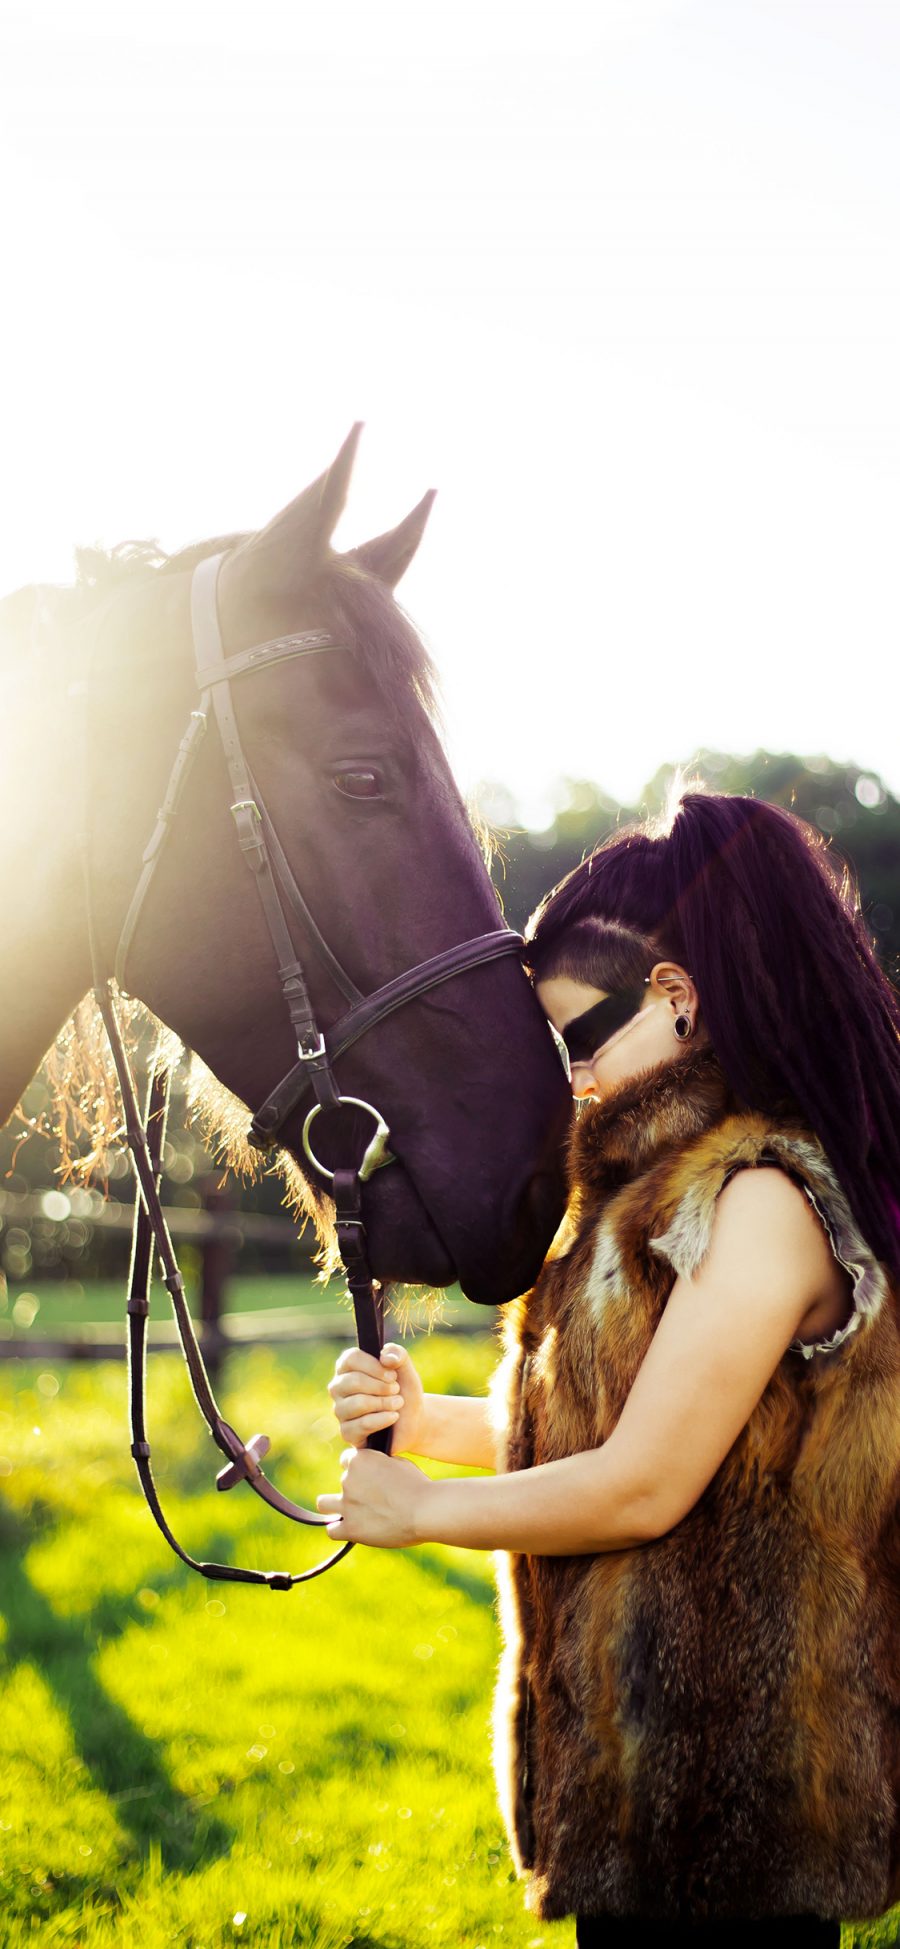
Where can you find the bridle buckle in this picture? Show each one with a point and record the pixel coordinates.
(376, 1153)
(312, 1055)
(248, 819)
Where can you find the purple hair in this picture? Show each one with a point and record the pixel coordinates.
(747, 899)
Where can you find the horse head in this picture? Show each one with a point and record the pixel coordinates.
(347, 756)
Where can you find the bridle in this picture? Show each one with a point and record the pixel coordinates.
(312, 1074)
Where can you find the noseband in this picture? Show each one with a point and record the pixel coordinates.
(311, 1075)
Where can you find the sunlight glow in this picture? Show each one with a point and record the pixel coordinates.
(629, 298)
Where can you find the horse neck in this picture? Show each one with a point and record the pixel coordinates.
(45, 965)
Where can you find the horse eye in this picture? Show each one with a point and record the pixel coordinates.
(358, 784)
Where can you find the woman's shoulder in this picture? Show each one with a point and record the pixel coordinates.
(773, 1204)
(779, 1171)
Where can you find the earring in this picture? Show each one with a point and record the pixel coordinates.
(683, 1027)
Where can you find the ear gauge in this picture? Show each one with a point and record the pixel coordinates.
(683, 1027)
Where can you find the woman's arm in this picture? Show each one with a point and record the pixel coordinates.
(457, 1429)
(720, 1339)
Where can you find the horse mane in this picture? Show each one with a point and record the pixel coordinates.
(84, 1119)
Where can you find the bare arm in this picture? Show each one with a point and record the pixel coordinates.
(722, 1334)
(457, 1429)
(720, 1339)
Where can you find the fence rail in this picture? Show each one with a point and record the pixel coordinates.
(212, 1221)
(272, 1327)
(220, 1231)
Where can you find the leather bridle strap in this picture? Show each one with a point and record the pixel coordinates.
(243, 1460)
(298, 905)
(251, 836)
(271, 1116)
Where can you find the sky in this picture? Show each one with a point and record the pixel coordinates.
(621, 280)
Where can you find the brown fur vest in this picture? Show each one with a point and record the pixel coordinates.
(709, 1724)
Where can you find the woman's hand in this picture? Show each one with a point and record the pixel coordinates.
(367, 1394)
(383, 1502)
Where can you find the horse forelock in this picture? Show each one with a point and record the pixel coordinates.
(380, 632)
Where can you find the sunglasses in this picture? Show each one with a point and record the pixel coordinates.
(587, 1033)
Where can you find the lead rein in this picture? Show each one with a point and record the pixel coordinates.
(145, 1142)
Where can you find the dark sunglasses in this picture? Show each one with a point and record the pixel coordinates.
(588, 1032)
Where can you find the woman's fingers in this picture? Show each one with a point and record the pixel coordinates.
(365, 1392)
(366, 1424)
(363, 1363)
(353, 1398)
(358, 1430)
(356, 1404)
(353, 1378)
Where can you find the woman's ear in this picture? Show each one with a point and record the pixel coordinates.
(672, 983)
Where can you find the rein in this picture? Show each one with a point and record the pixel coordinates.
(311, 1074)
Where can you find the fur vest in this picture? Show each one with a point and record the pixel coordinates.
(707, 1725)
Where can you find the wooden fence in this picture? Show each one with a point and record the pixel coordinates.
(220, 1230)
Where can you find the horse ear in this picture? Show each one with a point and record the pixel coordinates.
(299, 535)
(388, 556)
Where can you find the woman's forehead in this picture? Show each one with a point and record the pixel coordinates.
(564, 999)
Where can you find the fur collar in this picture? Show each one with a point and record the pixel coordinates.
(614, 1139)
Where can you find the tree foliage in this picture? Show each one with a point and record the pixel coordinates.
(852, 807)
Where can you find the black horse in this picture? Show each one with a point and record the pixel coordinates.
(357, 785)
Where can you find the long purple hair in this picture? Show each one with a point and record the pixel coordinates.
(746, 897)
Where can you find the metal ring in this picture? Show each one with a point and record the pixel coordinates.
(376, 1153)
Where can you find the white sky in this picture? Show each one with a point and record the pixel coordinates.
(621, 279)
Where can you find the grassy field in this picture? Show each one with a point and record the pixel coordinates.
(201, 1765)
(39, 1308)
(65, 1302)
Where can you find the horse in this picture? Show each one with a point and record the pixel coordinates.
(362, 805)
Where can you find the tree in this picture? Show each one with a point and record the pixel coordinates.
(851, 806)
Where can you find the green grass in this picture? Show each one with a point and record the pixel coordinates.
(66, 1302)
(177, 1754)
(204, 1765)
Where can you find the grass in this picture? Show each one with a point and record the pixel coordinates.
(63, 1303)
(204, 1765)
(66, 1302)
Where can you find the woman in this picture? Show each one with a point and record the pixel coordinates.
(695, 1427)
